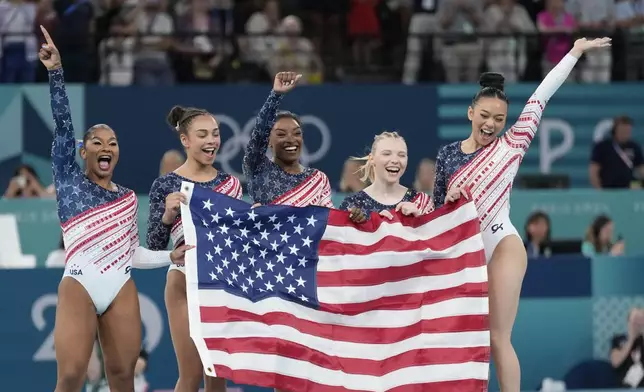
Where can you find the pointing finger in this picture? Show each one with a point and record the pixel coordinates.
(45, 33)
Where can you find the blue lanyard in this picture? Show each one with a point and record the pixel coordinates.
(74, 6)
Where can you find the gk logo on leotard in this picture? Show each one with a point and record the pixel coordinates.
(232, 148)
(128, 269)
(497, 227)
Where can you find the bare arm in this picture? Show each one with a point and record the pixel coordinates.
(618, 355)
(593, 175)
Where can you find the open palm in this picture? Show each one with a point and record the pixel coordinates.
(49, 54)
(584, 44)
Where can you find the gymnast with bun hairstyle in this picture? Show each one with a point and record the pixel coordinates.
(198, 132)
(485, 164)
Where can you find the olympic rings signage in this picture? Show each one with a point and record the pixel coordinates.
(233, 146)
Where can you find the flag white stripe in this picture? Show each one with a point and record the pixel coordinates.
(272, 363)
(344, 349)
(358, 294)
(372, 319)
(431, 229)
(397, 259)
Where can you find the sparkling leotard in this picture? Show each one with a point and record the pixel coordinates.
(368, 204)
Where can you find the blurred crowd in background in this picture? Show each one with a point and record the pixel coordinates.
(161, 42)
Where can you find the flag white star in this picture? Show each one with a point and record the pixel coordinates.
(235, 255)
(252, 215)
(298, 229)
(277, 226)
(290, 289)
(259, 273)
(229, 211)
(210, 236)
(243, 232)
(306, 241)
(250, 281)
(264, 235)
(272, 218)
(223, 229)
(207, 204)
(285, 237)
(270, 266)
(234, 275)
(237, 222)
(225, 262)
(291, 219)
(244, 287)
(289, 270)
(269, 286)
(310, 221)
(209, 256)
(274, 245)
(303, 298)
(300, 281)
(242, 268)
(281, 258)
(219, 270)
(230, 282)
(294, 249)
(254, 240)
(251, 261)
(262, 253)
(246, 248)
(204, 223)
(213, 276)
(217, 250)
(258, 225)
(229, 242)
(279, 278)
(215, 218)
(302, 261)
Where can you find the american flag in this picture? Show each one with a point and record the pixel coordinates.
(301, 299)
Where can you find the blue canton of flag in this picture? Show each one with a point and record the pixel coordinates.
(257, 253)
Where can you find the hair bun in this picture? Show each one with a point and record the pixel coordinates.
(175, 116)
(493, 80)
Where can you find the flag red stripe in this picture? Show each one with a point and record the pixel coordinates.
(369, 367)
(341, 218)
(409, 301)
(373, 277)
(396, 244)
(264, 379)
(345, 333)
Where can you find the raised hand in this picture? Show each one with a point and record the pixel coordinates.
(583, 45)
(285, 81)
(49, 54)
(178, 256)
(173, 207)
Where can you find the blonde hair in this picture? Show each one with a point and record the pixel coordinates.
(367, 170)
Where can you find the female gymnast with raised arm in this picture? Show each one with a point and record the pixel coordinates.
(99, 224)
(383, 167)
(198, 131)
(486, 164)
(282, 180)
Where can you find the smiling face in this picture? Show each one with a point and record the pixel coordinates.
(286, 141)
(488, 117)
(202, 140)
(389, 159)
(100, 152)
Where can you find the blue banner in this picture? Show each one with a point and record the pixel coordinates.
(339, 121)
(574, 316)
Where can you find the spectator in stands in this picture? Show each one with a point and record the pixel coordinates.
(425, 176)
(537, 235)
(627, 351)
(18, 50)
(350, 181)
(557, 25)
(261, 27)
(596, 18)
(423, 23)
(203, 45)
(599, 239)
(116, 51)
(171, 161)
(24, 184)
(151, 62)
(363, 28)
(629, 15)
(462, 54)
(617, 162)
(296, 53)
(508, 55)
(74, 38)
(56, 258)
